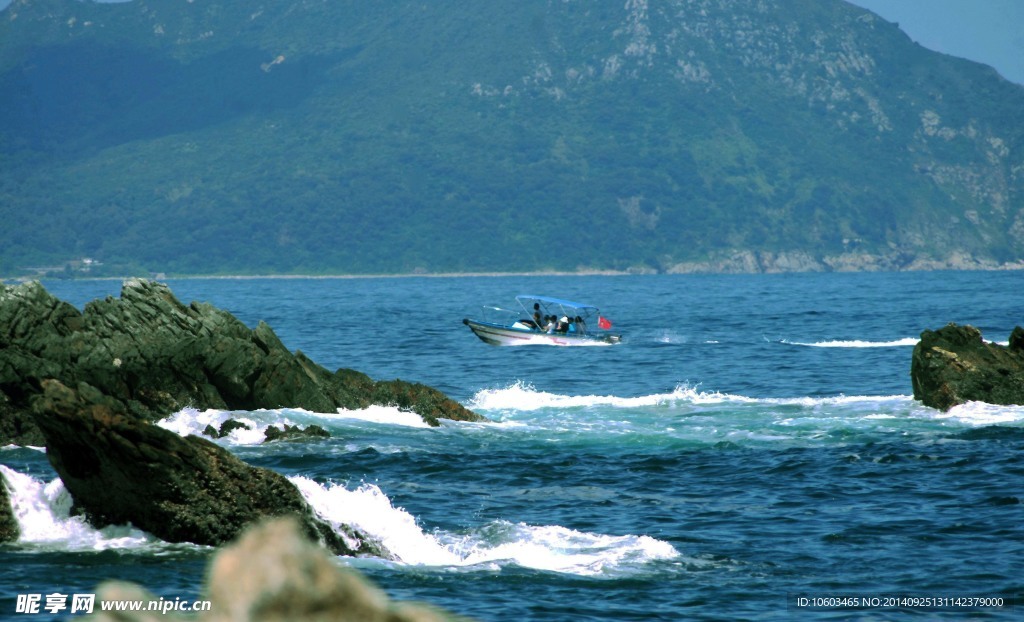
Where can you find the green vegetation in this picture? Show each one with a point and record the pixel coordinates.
(353, 137)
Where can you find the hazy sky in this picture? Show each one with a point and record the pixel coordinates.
(987, 31)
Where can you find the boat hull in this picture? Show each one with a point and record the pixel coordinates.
(501, 335)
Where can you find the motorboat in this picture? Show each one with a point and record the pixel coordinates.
(542, 320)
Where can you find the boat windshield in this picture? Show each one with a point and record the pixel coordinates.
(498, 315)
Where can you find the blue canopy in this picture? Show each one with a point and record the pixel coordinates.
(548, 300)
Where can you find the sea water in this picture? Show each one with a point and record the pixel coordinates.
(752, 449)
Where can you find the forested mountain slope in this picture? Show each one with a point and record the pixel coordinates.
(338, 136)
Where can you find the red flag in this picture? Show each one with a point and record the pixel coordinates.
(603, 322)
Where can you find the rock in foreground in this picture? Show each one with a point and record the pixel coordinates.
(274, 575)
(121, 470)
(155, 356)
(954, 365)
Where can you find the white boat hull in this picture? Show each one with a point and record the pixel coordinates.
(501, 335)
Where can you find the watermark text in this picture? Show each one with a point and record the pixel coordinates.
(58, 602)
(926, 602)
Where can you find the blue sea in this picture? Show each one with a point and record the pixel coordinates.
(751, 451)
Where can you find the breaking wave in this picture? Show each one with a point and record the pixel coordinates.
(855, 343)
(43, 512)
(192, 421)
(491, 546)
(524, 397)
(688, 416)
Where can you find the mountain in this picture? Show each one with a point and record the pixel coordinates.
(318, 136)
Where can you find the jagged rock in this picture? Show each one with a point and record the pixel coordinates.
(9, 530)
(273, 574)
(294, 432)
(156, 355)
(954, 365)
(225, 428)
(120, 470)
(16, 424)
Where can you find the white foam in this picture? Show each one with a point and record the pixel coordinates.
(548, 547)
(856, 343)
(881, 402)
(13, 447)
(43, 515)
(981, 414)
(191, 421)
(370, 510)
(381, 414)
(522, 396)
(558, 549)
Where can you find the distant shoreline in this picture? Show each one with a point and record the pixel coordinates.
(701, 270)
(165, 277)
(413, 275)
(407, 275)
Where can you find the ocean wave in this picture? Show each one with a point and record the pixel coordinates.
(43, 512)
(192, 421)
(13, 447)
(557, 549)
(855, 343)
(496, 544)
(522, 396)
(982, 414)
(691, 417)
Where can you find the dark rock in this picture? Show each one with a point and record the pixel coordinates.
(953, 365)
(9, 530)
(225, 428)
(120, 470)
(16, 424)
(155, 355)
(231, 425)
(294, 432)
(1016, 342)
(274, 574)
(358, 390)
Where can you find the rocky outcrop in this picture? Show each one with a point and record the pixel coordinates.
(273, 574)
(954, 365)
(294, 433)
(225, 429)
(272, 433)
(155, 355)
(119, 469)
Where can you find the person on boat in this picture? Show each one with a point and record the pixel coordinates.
(549, 324)
(571, 329)
(536, 316)
(563, 324)
(581, 326)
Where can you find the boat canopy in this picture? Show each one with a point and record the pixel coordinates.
(583, 309)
